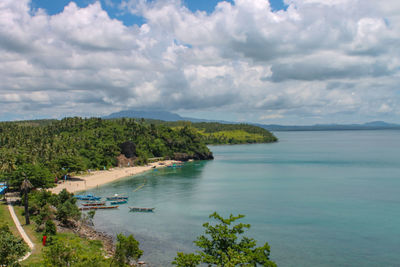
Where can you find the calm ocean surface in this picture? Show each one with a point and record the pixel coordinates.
(318, 198)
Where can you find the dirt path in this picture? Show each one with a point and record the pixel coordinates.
(21, 230)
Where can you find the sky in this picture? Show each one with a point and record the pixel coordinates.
(273, 62)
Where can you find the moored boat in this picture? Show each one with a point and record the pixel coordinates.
(94, 204)
(117, 197)
(118, 202)
(90, 198)
(141, 209)
(98, 207)
(87, 197)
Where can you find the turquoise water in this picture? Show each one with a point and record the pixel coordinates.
(318, 198)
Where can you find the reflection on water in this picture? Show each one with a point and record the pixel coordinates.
(168, 228)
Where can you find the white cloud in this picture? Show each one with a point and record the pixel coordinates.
(322, 58)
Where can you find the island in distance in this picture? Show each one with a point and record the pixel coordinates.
(169, 116)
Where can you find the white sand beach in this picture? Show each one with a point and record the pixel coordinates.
(98, 178)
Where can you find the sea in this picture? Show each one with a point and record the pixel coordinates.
(319, 198)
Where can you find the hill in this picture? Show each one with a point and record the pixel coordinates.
(169, 116)
(76, 144)
(224, 133)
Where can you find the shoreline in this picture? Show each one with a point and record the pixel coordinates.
(99, 178)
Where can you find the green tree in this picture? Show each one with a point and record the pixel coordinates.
(71, 163)
(67, 210)
(187, 260)
(222, 246)
(25, 187)
(37, 174)
(126, 250)
(50, 228)
(11, 247)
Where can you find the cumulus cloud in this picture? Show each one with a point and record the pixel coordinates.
(317, 58)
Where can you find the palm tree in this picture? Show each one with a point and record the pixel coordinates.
(25, 187)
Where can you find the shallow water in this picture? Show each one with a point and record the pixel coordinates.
(318, 198)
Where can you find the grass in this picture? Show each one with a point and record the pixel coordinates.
(89, 246)
(5, 218)
(235, 136)
(36, 256)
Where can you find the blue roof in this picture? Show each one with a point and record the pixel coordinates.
(2, 189)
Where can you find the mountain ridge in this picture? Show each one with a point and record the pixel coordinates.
(170, 116)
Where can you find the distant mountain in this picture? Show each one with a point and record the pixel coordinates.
(169, 116)
(157, 115)
(375, 125)
(380, 124)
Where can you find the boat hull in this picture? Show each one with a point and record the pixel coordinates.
(94, 204)
(117, 198)
(137, 209)
(98, 207)
(118, 202)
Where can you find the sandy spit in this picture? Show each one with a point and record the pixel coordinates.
(98, 178)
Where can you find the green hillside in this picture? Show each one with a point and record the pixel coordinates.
(220, 133)
(76, 144)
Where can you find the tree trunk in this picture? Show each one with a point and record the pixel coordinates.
(27, 222)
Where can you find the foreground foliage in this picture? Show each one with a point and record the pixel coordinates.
(70, 250)
(222, 246)
(126, 251)
(11, 248)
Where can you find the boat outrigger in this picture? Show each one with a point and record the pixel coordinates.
(98, 207)
(141, 209)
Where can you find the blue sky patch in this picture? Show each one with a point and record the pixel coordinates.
(54, 7)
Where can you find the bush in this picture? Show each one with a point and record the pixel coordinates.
(50, 228)
(126, 251)
(11, 248)
(66, 211)
(69, 250)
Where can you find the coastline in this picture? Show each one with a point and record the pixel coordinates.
(98, 178)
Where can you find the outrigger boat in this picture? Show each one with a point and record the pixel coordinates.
(98, 207)
(94, 204)
(87, 197)
(117, 197)
(118, 202)
(141, 209)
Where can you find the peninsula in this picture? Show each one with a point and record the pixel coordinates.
(49, 151)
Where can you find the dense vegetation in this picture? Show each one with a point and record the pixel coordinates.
(58, 218)
(44, 149)
(220, 133)
(76, 144)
